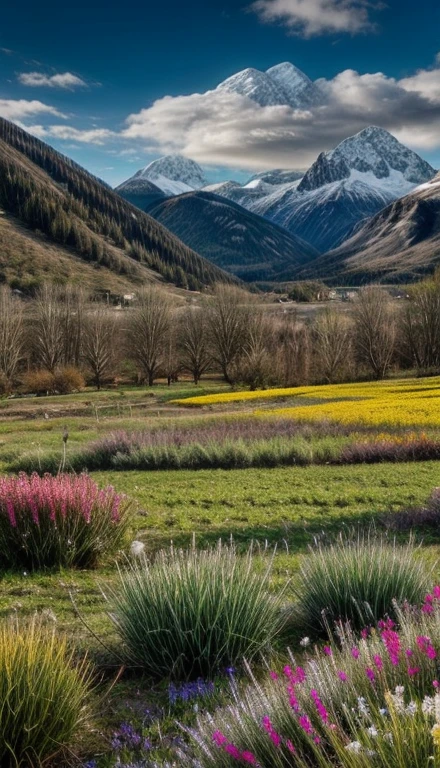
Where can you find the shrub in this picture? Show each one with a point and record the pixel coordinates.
(364, 701)
(63, 521)
(427, 515)
(37, 382)
(43, 694)
(190, 613)
(68, 379)
(391, 448)
(357, 579)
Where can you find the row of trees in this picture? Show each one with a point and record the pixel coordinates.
(228, 332)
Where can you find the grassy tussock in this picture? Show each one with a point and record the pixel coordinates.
(44, 696)
(193, 612)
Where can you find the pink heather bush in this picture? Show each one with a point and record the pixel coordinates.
(62, 521)
(374, 701)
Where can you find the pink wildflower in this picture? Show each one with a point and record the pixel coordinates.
(378, 662)
(322, 712)
(327, 650)
(342, 676)
(370, 674)
(355, 652)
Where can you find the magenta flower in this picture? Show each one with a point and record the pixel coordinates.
(306, 725)
(322, 712)
(355, 652)
(412, 671)
(370, 674)
(378, 662)
(327, 650)
(342, 676)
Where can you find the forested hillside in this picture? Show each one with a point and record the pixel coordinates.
(51, 194)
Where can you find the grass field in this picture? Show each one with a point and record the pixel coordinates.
(283, 507)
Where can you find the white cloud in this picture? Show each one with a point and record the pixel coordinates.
(317, 17)
(20, 109)
(97, 136)
(66, 80)
(228, 129)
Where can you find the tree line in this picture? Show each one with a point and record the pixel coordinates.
(61, 337)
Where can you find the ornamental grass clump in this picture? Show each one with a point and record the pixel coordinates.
(44, 696)
(63, 521)
(367, 699)
(190, 613)
(357, 579)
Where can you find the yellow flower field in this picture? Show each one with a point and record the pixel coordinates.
(404, 402)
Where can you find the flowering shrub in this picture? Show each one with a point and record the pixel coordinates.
(357, 579)
(193, 612)
(61, 521)
(43, 695)
(367, 700)
(411, 447)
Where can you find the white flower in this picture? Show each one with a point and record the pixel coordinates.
(383, 712)
(437, 707)
(400, 690)
(363, 706)
(137, 548)
(411, 708)
(372, 730)
(305, 642)
(428, 705)
(354, 746)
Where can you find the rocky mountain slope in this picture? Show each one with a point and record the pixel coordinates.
(237, 240)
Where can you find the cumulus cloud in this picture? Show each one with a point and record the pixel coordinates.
(228, 129)
(64, 80)
(98, 136)
(317, 17)
(20, 109)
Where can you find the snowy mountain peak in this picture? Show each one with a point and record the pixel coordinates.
(299, 90)
(375, 149)
(282, 85)
(174, 174)
(256, 85)
(373, 152)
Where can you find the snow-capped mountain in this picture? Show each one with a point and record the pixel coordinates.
(173, 174)
(140, 192)
(282, 85)
(373, 150)
(400, 243)
(350, 183)
(277, 176)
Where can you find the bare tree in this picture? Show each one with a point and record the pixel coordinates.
(11, 334)
(292, 344)
(99, 344)
(256, 363)
(332, 342)
(74, 301)
(375, 330)
(421, 325)
(148, 331)
(47, 331)
(193, 342)
(227, 317)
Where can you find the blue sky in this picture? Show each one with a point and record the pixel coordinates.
(86, 66)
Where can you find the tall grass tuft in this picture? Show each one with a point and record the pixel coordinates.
(190, 613)
(44, 696)
(357, 579)
(63, 521)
